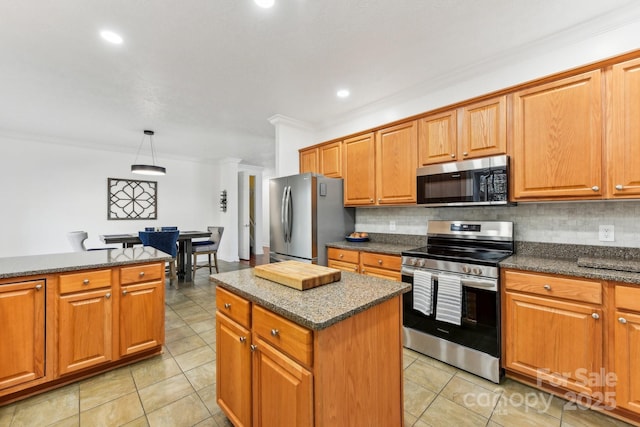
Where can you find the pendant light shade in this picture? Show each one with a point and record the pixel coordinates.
(147, 169)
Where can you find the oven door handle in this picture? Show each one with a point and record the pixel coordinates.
(489, 285)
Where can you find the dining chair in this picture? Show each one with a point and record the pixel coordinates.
(208, 247)
(172, 228)
(77, 238)
(165, 241)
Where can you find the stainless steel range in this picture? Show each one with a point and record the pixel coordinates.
(452, 312)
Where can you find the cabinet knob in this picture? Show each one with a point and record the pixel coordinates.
(227, 305)
(619, 187)
(341, 255)
(253, 347)
(547, 287)
(622, 320)
(38, 287)
(380, 262)
(243, 340)
(453, 156)
(275, 332)
(595, 188)
(465, 153)
(124, 292)
(85, 282)
(364, 271)
(595, 316)
(371, 200)
(141, 274)
(356, 269)
(108, 295)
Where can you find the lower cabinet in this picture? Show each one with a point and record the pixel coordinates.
(367, 263)
(627, 347)
(22, 334)
(273, 372)
(141, 317)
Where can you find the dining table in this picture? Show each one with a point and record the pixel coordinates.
(185, 239)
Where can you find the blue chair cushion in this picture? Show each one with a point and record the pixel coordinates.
(164, 241)
(201, 243)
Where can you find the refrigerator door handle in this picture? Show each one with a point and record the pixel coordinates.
(289, 214)
(282, 213)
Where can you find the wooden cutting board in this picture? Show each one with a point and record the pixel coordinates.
(298, 275)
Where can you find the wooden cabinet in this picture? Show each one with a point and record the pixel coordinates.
(558, 139)
(627, 347)
(325, 159)
(553, 329)
(284, 374)
(368, 263)
(309, 160)
(623, 140)
(22, 352)
(475, 130)
(359, 170)
(141, 317)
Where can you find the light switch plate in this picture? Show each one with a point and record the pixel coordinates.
(606, 233)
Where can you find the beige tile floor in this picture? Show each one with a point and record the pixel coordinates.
(178, 388)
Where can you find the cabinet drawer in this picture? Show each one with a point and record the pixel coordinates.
(141, 273)
(293, 339)
(237, 308)
(344, 266)
(582, 290)
(85, 280)
(344, 255)
(388, 262)
(628, 298)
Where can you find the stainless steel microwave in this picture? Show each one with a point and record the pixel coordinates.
(483, 181)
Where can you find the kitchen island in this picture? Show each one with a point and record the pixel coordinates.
(68, 316)
(326, 356)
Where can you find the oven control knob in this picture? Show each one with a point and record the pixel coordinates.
(411, 261)
(477, 271)
(420, 263)
(466, 269)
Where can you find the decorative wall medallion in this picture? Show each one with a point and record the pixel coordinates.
(132, 199)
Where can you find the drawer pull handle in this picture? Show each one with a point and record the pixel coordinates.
(253, 347)
(595, 316)
(356, 269)
(124, 292)
(38, 287)
(108, 295)
(595, 188)
(141, 273)
(619, 187)
(364, 271)
(227, 305)
(85, 282)
(243, 340)
(341, 255)
(622, 320)
(275, 332)
(453, 156)
(547, 287)
(380, 261)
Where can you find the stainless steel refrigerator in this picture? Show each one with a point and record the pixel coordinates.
(306, 212)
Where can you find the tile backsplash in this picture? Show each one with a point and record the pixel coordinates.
(557, 222)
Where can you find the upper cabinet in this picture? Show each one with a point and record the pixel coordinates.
(475, 130)
(623, 140)
(380, 167)
(325, 159)
(557, 138)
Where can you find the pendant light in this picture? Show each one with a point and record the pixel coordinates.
(147, 169)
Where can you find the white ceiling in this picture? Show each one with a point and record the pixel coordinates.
(207, 74)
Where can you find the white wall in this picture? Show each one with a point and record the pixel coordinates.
(49, 189)
(291, 135)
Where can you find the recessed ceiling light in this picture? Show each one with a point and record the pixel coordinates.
(265, 3)
(111, 37)
(342, 93)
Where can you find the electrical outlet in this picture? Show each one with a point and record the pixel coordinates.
(392, 225)
(606, 233)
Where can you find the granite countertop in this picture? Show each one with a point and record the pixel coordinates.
(73, 261)
(315, 308)
(610, 264)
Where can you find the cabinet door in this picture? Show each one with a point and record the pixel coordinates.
(437, 138)
(84, 330)
(359, 170)
(627, 360)
(484, 129)
(282, 389)
(396, 164)
(331, 159)
(558, 139)
(233, 370)
(309, 160)
(555, 341)
(623, 143)
(22, 332)
(141, 317)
